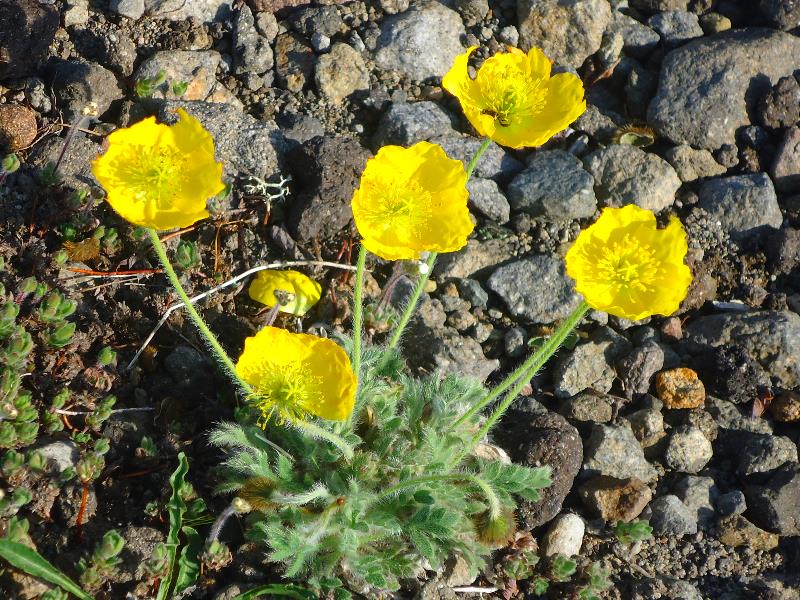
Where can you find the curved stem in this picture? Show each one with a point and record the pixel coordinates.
(533, 364)
(412, 301)
(474, 162)
(222, 358)
(358, 311)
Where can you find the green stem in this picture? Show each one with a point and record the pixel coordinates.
(358, 311)
(531, 367)
(222, 358)
(412, 301)
(473, 163)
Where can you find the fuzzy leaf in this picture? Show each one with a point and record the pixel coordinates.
(189, 563)
(176, 508)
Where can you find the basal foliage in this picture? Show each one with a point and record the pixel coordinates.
(407, 500)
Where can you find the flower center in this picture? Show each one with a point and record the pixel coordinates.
(287, 392)
(152, 174)
(398, 205)
(511, 96)
(628, 265)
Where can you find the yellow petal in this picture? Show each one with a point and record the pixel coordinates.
(304, 292)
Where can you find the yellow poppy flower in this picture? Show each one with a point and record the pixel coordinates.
(160, 176)
(625, 266)
(412, 200)
(302, 292)
(513, 99)
(296, 374)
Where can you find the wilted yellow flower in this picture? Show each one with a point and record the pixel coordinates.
(296, 374)
(160, 176)
(301, 291)
(625, 266)
(412, 200)
(513, 99)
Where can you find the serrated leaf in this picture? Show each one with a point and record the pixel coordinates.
(31, 562)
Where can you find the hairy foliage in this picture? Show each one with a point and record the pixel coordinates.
(408, 496)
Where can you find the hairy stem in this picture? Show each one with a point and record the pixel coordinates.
(222, 358)
(317, 432)
(358, 311)
(412, 301)
(531, 367)
(491, 496)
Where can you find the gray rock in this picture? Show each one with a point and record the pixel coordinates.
(267, 25)
(554, 187)
(495, 163)
(590, 365)
(76, 12)
(745, 205)
(133, 9)
(763, 453)
(676, 27)
(328, 170)
(639, 90)
(514, 342)
(64, 454)
(79, 86)
(637, 368)
(198, 69)
(509, 35)
(671, 517)
(568, 31)
(691, 164)
(783, 14)
(601, 125)
(28, 28)
(443, 349)
(732, 503)
(294, 61)
(472, 292)
(251, 50)
(786, 166)
(535, 440)
(472, 11)
(698, 494)
(688, 450)
(706, 85)
(475, 259)
(405, 124)
(114, 49)
(421, 42)
(587, 407)
(564, 535)
(325, 20)
(638, 39)
(205, 11)
(75, 169)
(625, 174)
(189, 368)
(614, 451)
(243, 144)
(770, 337)
(340, 73)
(36, 94)
(485, 197)
(773, 506)
(728, 417)
(552, 297)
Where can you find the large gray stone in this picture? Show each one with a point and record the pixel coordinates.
(688, 450)
(554, 187)
(625, 174)
(637, 38)
(27, 27)
(252, 52)
(706, 86)
(421, 42)
(763, 453)
(198, 69)
(179, 10)
(568, 31)
(406, 123)
(495, 163)
(672, 517)
(771, 337)
(745, 205)
(590, 365)
(476, 259)
(613, 450)
(783, 14)
(535, 289)
(485, 197)
(82, 87)
(691, 164)
(773, 505)
(676, 27)
(340, 73)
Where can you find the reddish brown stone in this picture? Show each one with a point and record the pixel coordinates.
(680, 388)
(615, 499)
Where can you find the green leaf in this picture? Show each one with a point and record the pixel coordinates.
(189, 563)
(31, 562)
(278, 589)
(176, 508)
